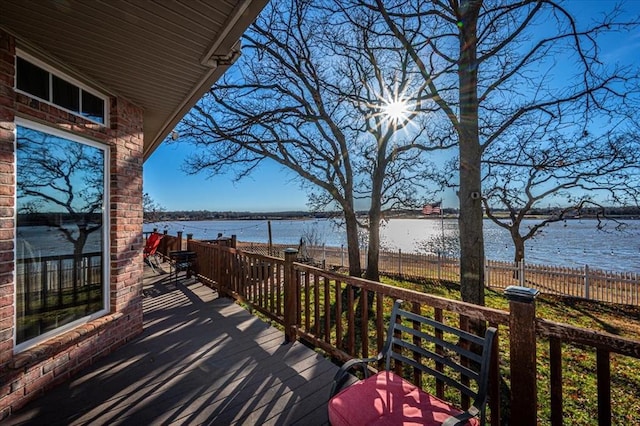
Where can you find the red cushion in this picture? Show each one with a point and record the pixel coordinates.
(388, 399)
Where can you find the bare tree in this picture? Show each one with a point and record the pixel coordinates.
(318, 95)
(152, 211)
(62, 182)
(572, 172)
(494, 67)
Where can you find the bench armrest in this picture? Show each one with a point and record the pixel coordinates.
(461, 419)
(343, 372)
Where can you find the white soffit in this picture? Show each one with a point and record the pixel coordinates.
(157, 54)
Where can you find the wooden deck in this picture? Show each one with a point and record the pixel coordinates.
(200, 360)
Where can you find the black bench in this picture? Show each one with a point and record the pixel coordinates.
(182, 260)
(430, 346)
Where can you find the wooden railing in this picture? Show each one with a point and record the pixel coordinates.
(585, 283)
(345, 317)
(51, 283)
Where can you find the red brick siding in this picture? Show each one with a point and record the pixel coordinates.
(28, 374)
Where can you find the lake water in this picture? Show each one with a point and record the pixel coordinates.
(573, 243)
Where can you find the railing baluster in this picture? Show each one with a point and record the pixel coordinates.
(438, 316)
(380, 323)
(327, 310)
(279, 288)
(417, 373)
(351, 326)
(604, 386)
(339, 314)
(298, 297)
(555, 360)
(307, 304)
(364, 322)
(316, 305)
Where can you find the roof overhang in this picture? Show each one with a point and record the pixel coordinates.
(162, 56)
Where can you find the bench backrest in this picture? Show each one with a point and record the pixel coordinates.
(442, 351)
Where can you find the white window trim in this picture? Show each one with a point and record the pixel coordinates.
(53, 71)
(106, 245)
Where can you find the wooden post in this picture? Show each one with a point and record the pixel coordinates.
(234, 241)
(179, 245)
(163, 244)
(189, 238)
(522, 330)
(290, 291)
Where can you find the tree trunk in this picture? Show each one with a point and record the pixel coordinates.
(373, 255)
(353, 244)
(470, 218)
(518, 243)
(375, 210)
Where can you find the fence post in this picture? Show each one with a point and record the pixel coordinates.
(400, 262)
(342, 255)
(586, 281)
(439, 271)
(290, 292)
(522, 342)
(521, 273)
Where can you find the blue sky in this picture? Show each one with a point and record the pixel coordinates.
(273, 189)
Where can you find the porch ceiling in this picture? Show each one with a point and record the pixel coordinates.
(160, 55)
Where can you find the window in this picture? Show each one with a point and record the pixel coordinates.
(61, 243)
(32, 77)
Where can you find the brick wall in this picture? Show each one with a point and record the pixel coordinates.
(28, 374)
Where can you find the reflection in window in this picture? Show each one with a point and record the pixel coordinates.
(60, 232)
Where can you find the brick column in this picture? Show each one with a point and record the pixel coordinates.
(126, 207)
(7, 196)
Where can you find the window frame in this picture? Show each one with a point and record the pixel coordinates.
(61, 75)
(106, 243)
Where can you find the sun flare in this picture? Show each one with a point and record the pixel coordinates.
(396, 110)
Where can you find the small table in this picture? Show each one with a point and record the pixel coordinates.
(182, 260)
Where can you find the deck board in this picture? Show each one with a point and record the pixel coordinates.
(200, 360)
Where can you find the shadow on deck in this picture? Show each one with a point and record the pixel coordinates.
(200, 360)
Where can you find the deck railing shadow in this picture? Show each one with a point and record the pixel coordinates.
(200, 359)
(345, 317)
